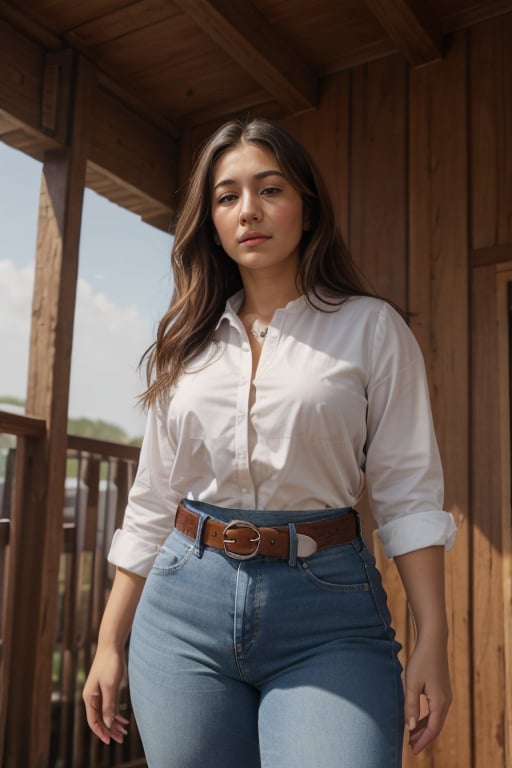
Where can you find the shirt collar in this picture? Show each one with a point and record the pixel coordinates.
(234, 303)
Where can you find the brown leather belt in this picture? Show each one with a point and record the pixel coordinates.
(243, 540)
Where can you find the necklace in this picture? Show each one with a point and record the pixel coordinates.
(258, 331)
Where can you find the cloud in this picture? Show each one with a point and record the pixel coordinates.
(108, 343)
(15, 309)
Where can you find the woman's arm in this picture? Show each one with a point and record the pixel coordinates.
(422, 574)
(101, 688)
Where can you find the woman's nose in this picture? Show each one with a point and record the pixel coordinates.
(250, 209)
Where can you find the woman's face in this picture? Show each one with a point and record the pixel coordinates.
(257, 214)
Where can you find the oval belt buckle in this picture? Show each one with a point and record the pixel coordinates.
(256, 540)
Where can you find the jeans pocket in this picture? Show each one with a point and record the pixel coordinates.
(337, 569)
(173, 555)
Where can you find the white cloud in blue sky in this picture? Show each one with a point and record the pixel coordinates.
(124, 287)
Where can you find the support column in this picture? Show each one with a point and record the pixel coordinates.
(60, 214)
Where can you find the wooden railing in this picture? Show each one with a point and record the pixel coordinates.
(99, 477)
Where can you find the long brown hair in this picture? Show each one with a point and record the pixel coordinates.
(205, 276)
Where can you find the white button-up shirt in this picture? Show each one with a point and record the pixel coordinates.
(340, 401)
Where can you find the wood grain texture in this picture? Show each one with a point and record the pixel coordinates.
(247, 37)
(47, 397)
(495, 254)
(491, 130)
(378, 235)
(438, 301)
(22, 588)
(378, 189)
(325, 133)
(504, 330)
(21, 75)
(412, 26)
(15, 424)
(488, 668)
(139, 155)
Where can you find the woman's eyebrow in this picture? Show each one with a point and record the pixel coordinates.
(260, 175)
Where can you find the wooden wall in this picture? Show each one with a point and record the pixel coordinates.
(419, 163)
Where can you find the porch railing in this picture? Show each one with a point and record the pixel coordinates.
(99, 475)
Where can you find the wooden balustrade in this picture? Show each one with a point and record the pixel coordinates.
(99, 477)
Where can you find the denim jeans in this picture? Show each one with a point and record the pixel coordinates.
(265, 663)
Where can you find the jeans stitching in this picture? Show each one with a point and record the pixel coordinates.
(330, 586)
(369, 576)
(169, 571)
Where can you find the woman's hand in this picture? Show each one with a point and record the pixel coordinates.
(101, 689)
(427, 673)
(100, 695)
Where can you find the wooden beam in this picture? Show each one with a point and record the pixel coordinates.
(412, 27)
(103, 448)
(136, 152)
(470, 14)
(247, 37)
(21, 76)
(140, 156)
(494, 254)
(18, 424)
(60, 212)
(56, 95)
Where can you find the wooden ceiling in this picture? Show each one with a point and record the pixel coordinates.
(162, 73)
(187, 62)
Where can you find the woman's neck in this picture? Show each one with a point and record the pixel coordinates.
(263, 297)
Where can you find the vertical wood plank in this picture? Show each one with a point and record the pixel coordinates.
(378, 233)
(378, 191)
(325, 133)
(504, 298)
(491, 132)
(48, 389)
(438, 291)
(488, 672)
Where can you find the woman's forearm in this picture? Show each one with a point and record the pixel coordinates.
(427, 672)
(120, 610)
(422, 574)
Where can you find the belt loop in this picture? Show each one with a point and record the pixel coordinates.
(358, 523)
(292, 556)
(199, 546)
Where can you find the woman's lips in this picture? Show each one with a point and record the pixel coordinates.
(254, 238)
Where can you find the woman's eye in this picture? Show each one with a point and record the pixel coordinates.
(270, 191)
(226, 199)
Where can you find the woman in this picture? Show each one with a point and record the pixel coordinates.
(276, 388)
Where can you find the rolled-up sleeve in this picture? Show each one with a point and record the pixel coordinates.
(151, 508)
(403, 468)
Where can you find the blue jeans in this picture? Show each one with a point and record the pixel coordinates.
(265, 663)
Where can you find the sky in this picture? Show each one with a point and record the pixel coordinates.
(124, 288)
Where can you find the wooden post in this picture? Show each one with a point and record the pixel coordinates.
(21, 599)
(60, 213)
